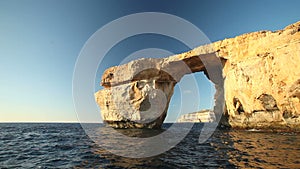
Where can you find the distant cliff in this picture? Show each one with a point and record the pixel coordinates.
(203, 116)
(261, 73)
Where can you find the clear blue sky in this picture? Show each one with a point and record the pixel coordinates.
(40, 41)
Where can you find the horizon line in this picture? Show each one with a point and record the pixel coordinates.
(75, 122)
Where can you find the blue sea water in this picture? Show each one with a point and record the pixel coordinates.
(60, 145)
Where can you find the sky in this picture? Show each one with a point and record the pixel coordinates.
(41, 40)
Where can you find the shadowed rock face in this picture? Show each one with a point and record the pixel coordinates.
(261, 82)
(139, 103)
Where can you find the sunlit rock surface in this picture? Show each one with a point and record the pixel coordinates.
(262, 82)
(261, 72)
(204, 116)
(137, 94)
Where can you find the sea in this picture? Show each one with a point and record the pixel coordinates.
(63, 145)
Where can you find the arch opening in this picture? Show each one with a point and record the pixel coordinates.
(192, 109)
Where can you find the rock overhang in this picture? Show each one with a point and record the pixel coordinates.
(255, 66)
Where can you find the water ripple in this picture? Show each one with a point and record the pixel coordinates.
(67, 146)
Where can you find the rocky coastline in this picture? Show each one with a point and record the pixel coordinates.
(203, 116)
(261, 73)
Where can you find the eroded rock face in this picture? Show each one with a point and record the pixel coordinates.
(261, 72)
(140, 103)
(137, 94)
(262, 77)
(204, 116)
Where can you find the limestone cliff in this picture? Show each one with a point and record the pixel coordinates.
(203, 116)
(261, 73)
(137, 94)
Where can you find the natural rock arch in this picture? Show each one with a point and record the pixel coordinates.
(260, 78)
(134, 88)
